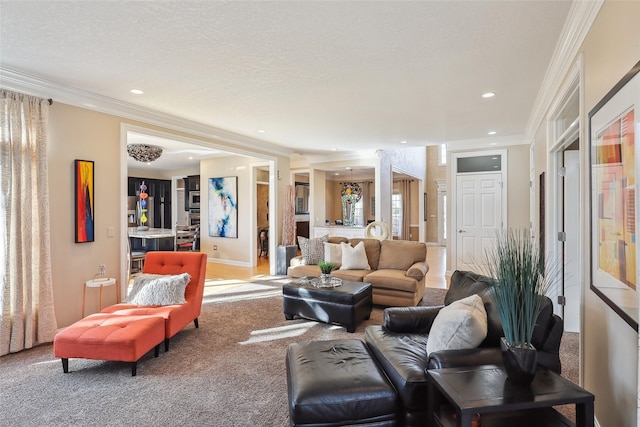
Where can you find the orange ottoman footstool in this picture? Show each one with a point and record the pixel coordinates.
(103, 336)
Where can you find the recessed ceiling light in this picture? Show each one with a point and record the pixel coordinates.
(488, 94)
(493, 143)
(403, 142)
(493, 132)
(336, 174)
(262, 131)
(137, 91)
(348, 168)
(334, 149)
(190, 157)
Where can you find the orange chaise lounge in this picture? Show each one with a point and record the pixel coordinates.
(126, 332)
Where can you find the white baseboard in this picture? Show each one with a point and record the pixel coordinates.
(228, 262)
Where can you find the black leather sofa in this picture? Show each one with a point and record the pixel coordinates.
(399, 344)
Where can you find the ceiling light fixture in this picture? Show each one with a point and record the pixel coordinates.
(488, 94)
(144, 153)
(137, 91)
(262, 131)
(493, 132)
(403, 142)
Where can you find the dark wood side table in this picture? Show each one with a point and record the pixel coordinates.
(456, 394)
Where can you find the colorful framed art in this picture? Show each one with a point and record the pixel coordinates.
(614, 167)
(84, 206)
(223, 207)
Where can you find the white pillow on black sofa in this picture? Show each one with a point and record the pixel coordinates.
(461, 324)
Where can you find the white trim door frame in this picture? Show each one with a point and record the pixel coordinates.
(454, 226)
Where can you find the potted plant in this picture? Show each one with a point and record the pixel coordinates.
(522, 279)
(326, 267)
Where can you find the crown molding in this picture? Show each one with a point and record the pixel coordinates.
(578, 24)
(36, 86)
(487, 143)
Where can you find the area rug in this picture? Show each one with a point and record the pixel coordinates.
(229, 372)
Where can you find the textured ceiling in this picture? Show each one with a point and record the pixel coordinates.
(315, 75)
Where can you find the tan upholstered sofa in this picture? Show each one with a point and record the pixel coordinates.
(397, 274)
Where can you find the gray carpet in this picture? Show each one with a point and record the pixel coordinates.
(229, 372)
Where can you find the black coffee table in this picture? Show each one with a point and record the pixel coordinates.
(345, 305)
(455, 394)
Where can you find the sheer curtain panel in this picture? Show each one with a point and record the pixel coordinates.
(27, 315)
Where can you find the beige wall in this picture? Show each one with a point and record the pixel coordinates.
(434, 172)
(518, 186)
(76, 133)
(609, 354)
(230, 250)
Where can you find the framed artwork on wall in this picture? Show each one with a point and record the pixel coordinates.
(84, 205)
(223, 207)
(614, 167)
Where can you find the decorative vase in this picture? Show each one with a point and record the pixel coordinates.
(325, 278)
(519, 363)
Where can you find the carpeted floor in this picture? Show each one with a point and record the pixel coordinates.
(229, 372)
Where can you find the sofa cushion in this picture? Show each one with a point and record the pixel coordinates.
(465, 283)
(303, 270)
(158, 289)
(312, 249)
(351, 275)
(354, 258)
(461, 324)
(391, 279)
(401, 254)
(372, 248)
(333, 253)
(403, 359)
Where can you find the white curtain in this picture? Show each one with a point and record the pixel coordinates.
(27, 315)
(289, 219)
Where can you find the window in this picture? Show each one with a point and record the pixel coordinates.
(396, 214)
(358, 212)
(442, 158)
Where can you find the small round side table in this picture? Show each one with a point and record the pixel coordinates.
(99, 283)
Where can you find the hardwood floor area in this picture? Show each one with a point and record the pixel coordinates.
(224, 277)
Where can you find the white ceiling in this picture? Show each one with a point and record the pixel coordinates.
(316, 76)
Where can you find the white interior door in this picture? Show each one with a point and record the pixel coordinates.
(570, 270)
(478, 217)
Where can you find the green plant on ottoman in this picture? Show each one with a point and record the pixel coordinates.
(522, 279)
(326, 267)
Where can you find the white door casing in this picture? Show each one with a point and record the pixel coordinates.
(571, 229)
(478, 217)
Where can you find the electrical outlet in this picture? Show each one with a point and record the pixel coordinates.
(215, 247)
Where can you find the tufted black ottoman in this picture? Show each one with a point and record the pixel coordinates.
(345, 305)
(337, 383)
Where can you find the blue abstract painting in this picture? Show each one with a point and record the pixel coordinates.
(223, 207)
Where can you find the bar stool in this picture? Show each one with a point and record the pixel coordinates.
(99, 283)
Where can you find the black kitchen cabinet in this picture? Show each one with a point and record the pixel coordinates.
(191, 183)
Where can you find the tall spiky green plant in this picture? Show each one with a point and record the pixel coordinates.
(521, 279)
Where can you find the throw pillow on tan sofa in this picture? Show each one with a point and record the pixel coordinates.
(397, 268)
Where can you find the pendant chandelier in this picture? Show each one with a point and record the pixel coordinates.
(143, 152)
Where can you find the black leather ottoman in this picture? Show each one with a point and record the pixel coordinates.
(345, 305)
(337, 383)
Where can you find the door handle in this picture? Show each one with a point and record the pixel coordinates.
(461, 231)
